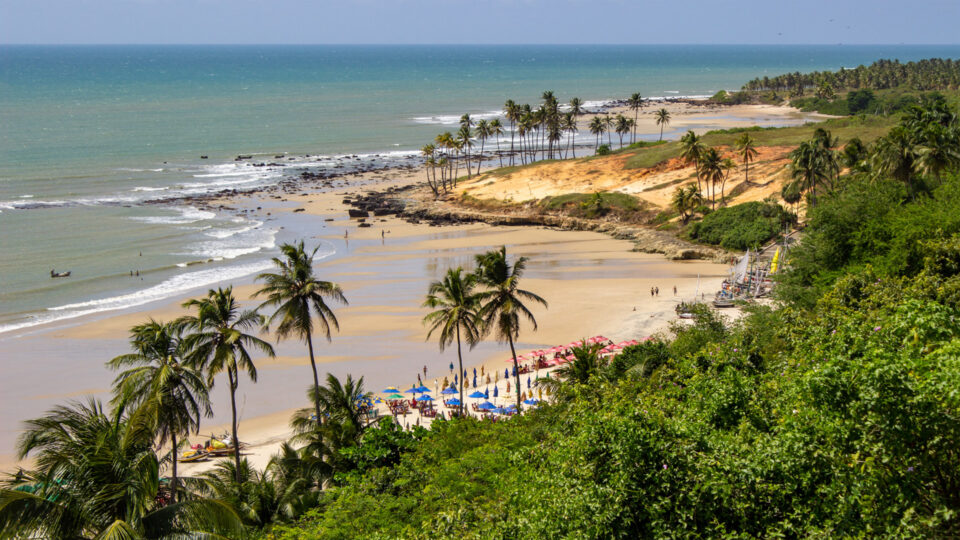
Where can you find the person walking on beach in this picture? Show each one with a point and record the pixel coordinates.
(674, 290)
(651, 292)
(451, 367)
(658, 291)
(424, 370)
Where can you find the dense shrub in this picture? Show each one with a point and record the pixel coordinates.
(742, 226)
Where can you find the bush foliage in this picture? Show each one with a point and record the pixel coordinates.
(742, 226)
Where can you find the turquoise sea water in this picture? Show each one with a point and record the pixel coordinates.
(89, 134)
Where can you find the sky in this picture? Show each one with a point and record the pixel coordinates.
(480, 21)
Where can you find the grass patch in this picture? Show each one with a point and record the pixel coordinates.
(867, 128)
(598, 205)
(742, 226)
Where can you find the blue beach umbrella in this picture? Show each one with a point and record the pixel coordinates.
(496, 391)
(486, 394)
(528, 382)
(474, 372)
(425, 397)
(423, 389)
(453, 401)
(513, 372)
(506, 373)
(486, 406)
(449, 390)
(474, 380)
(456, 381)
(499, 410)
(391, 390)
(464, 374)
(413, 390)
(531, 401)
(476, 394)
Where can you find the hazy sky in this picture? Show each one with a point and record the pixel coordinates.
(480, 21)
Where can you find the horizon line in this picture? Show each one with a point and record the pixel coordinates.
(225, 44)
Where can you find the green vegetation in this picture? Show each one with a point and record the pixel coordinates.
(593, 205)
(924, 75)
(747, 225)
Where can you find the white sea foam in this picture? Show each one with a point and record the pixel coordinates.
(227, 233)
(187, 214)
(454, 119)
(148, 188)
(232, 243)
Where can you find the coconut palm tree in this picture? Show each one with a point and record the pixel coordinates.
(662, 118)
(692, 150)
(597, 127)
(685, 201)
(586, 364)
(428, 151)
(807, 168)
(623, 127)
(97, 476)
(465, 143)
(503, 301)
(608, 124)
(512, 113)
(712, 168)
(570, 125)
(456, 305)
(482, 132)
(728, 166)
(748, 152)
(636, 103)
(218, 343)
(496, 131)
(300, 300)
(158, 385)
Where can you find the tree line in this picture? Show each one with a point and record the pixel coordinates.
(924, 75)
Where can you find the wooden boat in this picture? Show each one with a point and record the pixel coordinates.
(190, 456)
(55, 274)
(723, 303)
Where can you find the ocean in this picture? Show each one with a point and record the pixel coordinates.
(99, 145)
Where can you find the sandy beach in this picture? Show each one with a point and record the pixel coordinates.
(595, 285)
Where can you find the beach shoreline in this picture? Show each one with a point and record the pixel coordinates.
(325, 222)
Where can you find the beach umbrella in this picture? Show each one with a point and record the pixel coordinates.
(540, 392)
(464, 374)
(449, 390)
(391, 390)
(453, 401)
(528, 382)
(496, 391)
(506, 373)
(474, 373)
(423, 389)
(499, 410)
(456, 381)
(513, 371)
(413, 390)
(395, 396)
(486, 406)
(486, 394)
(474, 380)
(425, 397)
(531, 401)
(476, 394)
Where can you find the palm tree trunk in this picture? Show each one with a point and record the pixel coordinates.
(746, 172)
(173, 472)
(633, 139)
(316, 378)
(573, 144)
(511, 142)
(480, 158)
(661, 132)
(499, 155)
(233, 407)
(516, 370)
(460, 359)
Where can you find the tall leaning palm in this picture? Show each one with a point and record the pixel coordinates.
(456, 306)
(502, 302)
(300, 300)
(662, 118)
(746, 147)
(636, 103)
(218, 342)
(160, 387)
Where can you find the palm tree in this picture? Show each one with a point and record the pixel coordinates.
(502, 302)
(636, 103)
(483, 132)
(456, 316)
(218, 343)
(692, 150)
(807, 168)
(586, 364)
(608, 124)
(570, 125)
(300, 299)
(512, 113)
(465, 143)
(712, 168)
(685, 201)
(597, 127)
(748, 152)
(496, 131)
(161, 387)
(662, 118)
(428, 151)
(728, 166)
(623, 127)
(97, 476)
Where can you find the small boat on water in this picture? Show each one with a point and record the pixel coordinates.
(55, 274)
